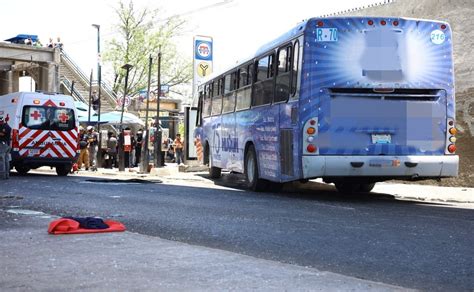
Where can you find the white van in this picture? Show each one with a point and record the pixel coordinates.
(44, 130)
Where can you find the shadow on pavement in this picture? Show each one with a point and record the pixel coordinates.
(312, 190)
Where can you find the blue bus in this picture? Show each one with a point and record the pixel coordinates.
(351, 100)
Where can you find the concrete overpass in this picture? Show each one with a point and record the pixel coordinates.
(17, 60)
(52, 70)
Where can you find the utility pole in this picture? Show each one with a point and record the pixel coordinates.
(158, 158)
(121, 135)
(144, 158)
(99, 82)
(90, 100)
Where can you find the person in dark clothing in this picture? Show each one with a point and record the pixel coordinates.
(5, 137)
(138, 147)
(111, 150)
(5, 131)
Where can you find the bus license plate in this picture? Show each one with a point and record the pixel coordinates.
(381, 138)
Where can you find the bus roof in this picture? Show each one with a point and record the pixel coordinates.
(293, 33)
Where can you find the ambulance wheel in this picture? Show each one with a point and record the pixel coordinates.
(251, 171)
(63, 170)
(22, 170)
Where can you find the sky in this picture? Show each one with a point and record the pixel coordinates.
(238, 27)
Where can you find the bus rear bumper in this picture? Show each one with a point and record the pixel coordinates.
(401, 167)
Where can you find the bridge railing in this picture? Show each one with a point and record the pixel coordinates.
(109, 93)
(74, 92)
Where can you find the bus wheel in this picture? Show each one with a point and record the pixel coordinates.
(365, 188)
(63, 170)
(347, 188)
(22, 170)
(251, 171)
(214, 172)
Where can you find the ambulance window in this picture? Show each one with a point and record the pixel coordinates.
(34, 117)
(63, 119)
(48, 118)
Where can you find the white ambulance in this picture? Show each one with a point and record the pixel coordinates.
(44, 130)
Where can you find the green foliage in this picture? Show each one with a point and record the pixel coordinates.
(142, 33)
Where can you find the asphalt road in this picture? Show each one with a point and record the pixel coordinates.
(373, 236)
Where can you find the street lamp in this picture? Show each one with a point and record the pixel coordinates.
(159, 158)
(99, 82)
(122, 137)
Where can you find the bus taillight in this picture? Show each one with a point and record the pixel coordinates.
(383, 22)
(450, 137)
(395, 23)
(443, 26)
(370, 22)
(320, 23)
(311, 148)
(452, 148)
(310, 134)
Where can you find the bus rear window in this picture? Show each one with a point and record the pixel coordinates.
(48, 118)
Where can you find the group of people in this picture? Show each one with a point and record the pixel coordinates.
(174, 149)
(88, 145)
(51, 44)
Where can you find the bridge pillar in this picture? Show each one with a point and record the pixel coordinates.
(47, 78)
(12, 83)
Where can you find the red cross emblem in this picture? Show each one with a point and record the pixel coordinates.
(36, 115)
(63, 117)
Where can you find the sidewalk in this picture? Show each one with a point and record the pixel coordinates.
(31, 259)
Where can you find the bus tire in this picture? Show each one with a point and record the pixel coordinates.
(366, 188)
(251, 171)
(63, 170)
(347, 188)
(22, 169)
(214, 172)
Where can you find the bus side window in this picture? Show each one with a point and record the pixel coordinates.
(217, 100)
(229, 97)
(244, 91)
(263, 86)
(207, 103)
(282, 84)
(227, 83)
(295, 67)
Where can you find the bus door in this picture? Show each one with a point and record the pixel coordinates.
(286, 98)
(228, 134)
(215, 133)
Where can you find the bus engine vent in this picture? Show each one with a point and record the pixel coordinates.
(388, 93)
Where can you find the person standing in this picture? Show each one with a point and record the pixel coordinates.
(178, 149)
(93, 145)
(5, 137)
(111, 150)
(95, 100)
(84, 148)
(138, 147)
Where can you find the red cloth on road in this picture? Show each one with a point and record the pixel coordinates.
(69, 226)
